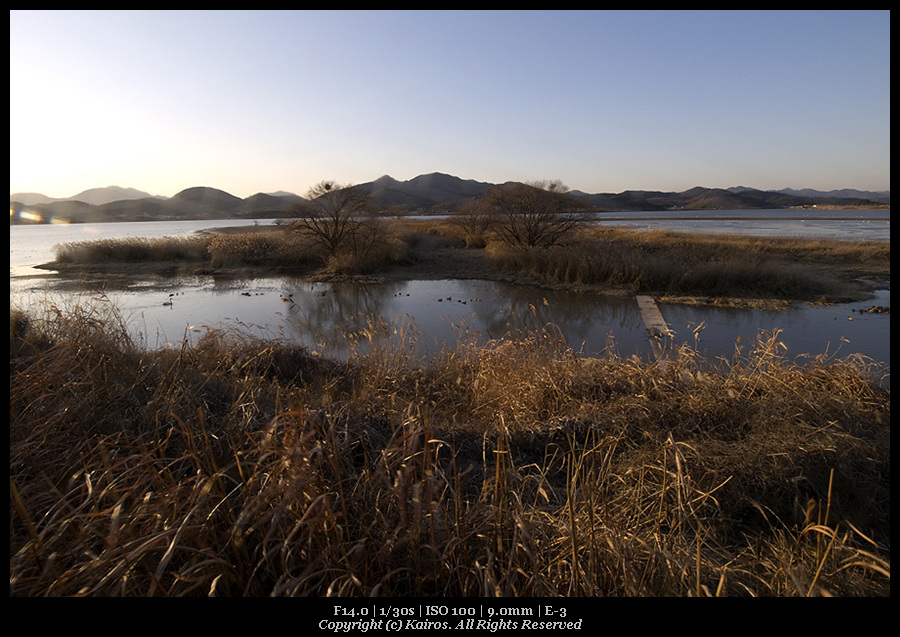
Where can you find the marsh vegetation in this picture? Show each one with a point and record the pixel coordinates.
(690, 267)
(513, 467)
(242, 467)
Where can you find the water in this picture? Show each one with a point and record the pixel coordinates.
(834, 330)
(167, 312)
(856, 225)
(323, 315)
(31, 245)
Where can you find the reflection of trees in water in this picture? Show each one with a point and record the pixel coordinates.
(336, 314)
(331, 314)
(578, 317)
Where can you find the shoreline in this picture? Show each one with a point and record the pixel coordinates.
(163, 272)
(616, 215)
(842, 270)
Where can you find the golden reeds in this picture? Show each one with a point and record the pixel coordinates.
(277, 248)
(656, 262)
(247, 468)
(709, 266)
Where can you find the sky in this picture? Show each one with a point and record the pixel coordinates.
(604, 101)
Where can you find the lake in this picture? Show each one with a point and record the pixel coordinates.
(855, 225)
(166, 312)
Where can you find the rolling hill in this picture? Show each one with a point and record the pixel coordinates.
(93, 196)
(429, 193)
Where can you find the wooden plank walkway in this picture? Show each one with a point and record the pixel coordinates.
(658, 331)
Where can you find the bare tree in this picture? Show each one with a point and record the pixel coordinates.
(335, 216)
(536, 214)
(473, 219)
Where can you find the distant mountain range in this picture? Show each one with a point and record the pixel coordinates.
(434, 192)
(109, 205)
(737, 198)
(94, 196)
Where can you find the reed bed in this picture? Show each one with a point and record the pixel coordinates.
(672, 263)
(240, 467)
(134, 250)
(659, 263)
(279, 250)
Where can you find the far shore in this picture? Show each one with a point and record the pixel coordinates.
(605, 215)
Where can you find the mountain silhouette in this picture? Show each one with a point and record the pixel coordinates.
(425, 191)
(428, 193)
(93, 196)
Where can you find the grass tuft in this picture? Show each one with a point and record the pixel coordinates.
(239, 467)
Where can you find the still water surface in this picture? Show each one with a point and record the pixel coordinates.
(856, 225)
(324, 315)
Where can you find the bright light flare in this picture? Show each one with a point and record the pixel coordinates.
(29, 216)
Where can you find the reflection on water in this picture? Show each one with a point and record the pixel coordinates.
(432, 314)
(836, 330)
(324, 316)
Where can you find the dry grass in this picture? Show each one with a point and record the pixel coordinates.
(249, 468)
(712, 266)
(134, 250)
(277, 250)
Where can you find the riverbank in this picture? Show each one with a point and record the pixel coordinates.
(685, 268)
(239, 467)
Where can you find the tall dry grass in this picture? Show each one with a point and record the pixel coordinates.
(671, 263)
(133, 250)
(246, 468)
(280, 250)
(657, 262)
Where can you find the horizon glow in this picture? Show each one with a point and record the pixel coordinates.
(605, 101)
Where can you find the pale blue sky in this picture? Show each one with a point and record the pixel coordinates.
(603, 100)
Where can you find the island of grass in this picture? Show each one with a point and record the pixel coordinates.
(671, 266)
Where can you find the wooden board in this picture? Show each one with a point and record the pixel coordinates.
(652, 317)
(657, 330)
